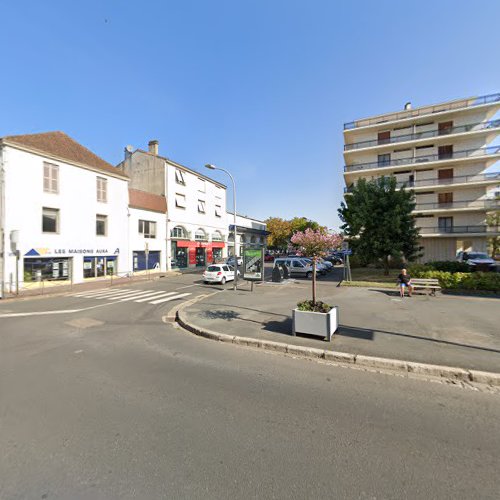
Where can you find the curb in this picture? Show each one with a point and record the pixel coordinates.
(408, 367)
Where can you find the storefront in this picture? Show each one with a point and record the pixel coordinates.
(46, 268)
(146, 260)
(187, 253)
(99, 266)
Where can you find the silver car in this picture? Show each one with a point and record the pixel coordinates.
(296, 266)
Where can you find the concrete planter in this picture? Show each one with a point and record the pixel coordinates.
(314, 323)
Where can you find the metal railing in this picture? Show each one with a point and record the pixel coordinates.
(424, 110)
(462, 179)
(472, 204)
(428, 134)
(478, 152)
(459, 229)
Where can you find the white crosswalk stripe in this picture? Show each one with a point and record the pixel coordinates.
(153, 297)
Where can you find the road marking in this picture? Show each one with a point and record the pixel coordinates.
(115, 294)
(93, 293)
(170, 298)
(157, 296)
(148, 294)
(45, 313)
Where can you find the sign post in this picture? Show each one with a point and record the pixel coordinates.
(346, 251)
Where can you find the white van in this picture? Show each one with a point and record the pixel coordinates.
(296, 266)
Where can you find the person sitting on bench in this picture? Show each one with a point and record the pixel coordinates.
(404, 280)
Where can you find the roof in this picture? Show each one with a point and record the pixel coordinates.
(147, 201)
(62, 146)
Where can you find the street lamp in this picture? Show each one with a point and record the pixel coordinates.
(213, 167)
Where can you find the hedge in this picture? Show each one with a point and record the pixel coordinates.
(462, 281)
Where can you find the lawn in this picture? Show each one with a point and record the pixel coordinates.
(371, 274)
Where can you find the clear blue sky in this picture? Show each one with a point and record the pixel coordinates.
(260, 87)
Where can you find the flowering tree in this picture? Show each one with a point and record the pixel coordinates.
(315, 244)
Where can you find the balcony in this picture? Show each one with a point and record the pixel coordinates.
(459, 205)
(410, 160)
(492, 178)
(424, 110)
(482, 229)
(429, 134)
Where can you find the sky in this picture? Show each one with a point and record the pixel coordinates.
(261, 88)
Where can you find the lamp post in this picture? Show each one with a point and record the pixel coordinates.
(213, 167)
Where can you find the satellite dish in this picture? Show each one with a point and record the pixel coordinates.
(129, 149)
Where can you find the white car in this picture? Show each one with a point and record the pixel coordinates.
(219, 273)
(230, 261)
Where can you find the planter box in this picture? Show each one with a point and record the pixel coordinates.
(314, 323)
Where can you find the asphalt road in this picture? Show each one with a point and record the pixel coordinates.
(108, 402)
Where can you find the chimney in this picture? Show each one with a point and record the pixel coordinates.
(153, 147)
(407, 105)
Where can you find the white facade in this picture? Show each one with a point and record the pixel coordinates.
(443, 152)
(248, 231)
(73, 250)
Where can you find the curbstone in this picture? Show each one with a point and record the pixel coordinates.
(273, 346)
(439, 371)
(485, 377)
(340, 357)
(308, 352)
(386, 363)
(225, 338)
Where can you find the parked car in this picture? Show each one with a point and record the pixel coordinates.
(320, 267)
(230, 261)
(335, 258)
(219, 273)
(296, 266)
(268, 257)
(477, 261)
(327, 263)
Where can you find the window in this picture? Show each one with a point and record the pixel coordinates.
(200, 235)
(179, 232)
(102, 189)
(201, 185)
(226, 268)
(445, 128)
(179, 177)
(445, 152)
(147, 228)
(101, 225)
(218, 211)
(180, 200)
(216, 236)
(50, 178)
(201, 206)
(384, 160)
(445, 198)
(50, 220)
(384, 137)
(445, 224)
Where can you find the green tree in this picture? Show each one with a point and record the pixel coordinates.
(280, 232)
(300, 224)
(379, 223)
(493, 222)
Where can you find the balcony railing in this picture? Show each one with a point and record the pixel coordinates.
(473, 205)
(424, 110)
(491, 150)
(460, 129)
(436, 181)
(459, 229)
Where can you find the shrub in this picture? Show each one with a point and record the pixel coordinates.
(462, 281)
(309, 305)
(449, 266)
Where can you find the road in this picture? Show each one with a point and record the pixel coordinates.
(109, 402)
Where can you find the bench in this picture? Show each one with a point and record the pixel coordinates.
(431, 284)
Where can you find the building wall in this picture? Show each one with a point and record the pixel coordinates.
(78, 206)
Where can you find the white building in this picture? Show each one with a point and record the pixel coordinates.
(196, 206)
(249, 231)
(62, 208)
(443, 152)
(147, 229)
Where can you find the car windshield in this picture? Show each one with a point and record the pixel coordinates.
(477, 255)
(213, 268)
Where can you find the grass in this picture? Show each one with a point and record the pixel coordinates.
(378, 284)
(372, 275)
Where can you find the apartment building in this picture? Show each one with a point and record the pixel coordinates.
(196, 225)
(445, 153)
(62, 212)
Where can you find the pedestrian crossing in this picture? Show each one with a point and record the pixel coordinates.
(153, 297)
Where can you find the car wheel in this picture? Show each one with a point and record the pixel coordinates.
(223, 281)
(308, 275)
(206, 282)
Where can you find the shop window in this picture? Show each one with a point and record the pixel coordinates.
(102, 189)
(179, 177)
(200, 235)
(216, 236)
(50, 220)
(50, 178)
(147, 228)
(179, 232)
(180, 200)
(101, 225)
(201, 206)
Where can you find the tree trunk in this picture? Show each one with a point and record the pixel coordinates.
(386, 266)
(314, 282)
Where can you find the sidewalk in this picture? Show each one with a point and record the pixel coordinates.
(444, 330)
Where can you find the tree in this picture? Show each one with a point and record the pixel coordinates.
(379, 223)
(315, 244)
(302, 223)
(279, 233)
(493, 222)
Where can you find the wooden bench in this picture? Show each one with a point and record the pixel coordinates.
(431, 284)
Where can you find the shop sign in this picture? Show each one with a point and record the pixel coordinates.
(39, 252)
